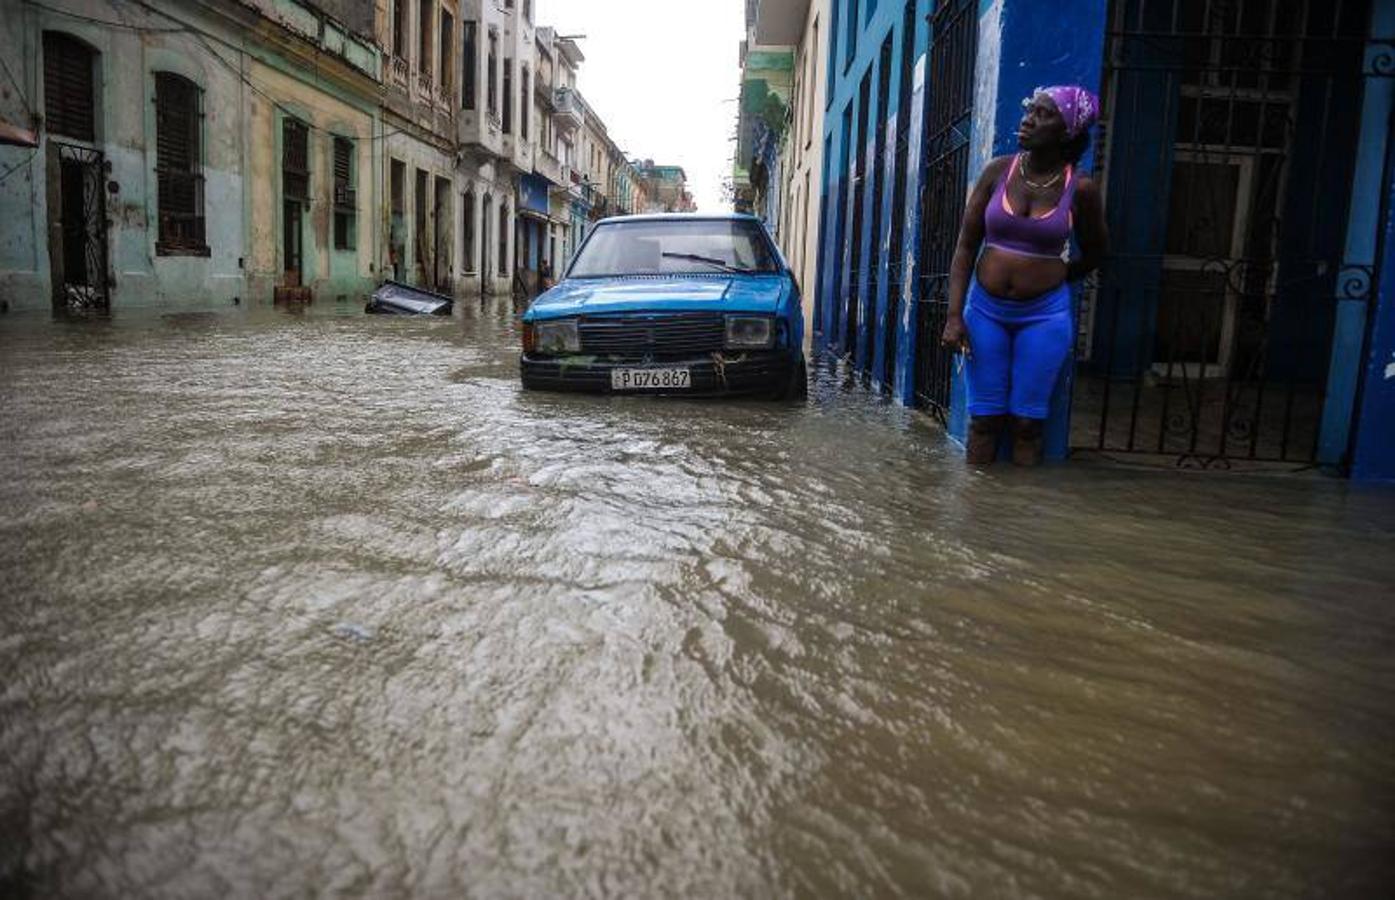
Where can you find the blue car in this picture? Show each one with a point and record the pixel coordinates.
(670, 304)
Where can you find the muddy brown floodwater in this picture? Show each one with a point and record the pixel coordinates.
(324, 603)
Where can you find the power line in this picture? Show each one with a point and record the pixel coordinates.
(201, 36)
(29, 107)
(105, 23)
(17, 166)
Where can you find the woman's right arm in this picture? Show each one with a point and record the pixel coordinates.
(966, 252)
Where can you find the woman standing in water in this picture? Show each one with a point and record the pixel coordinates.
(1009, 305)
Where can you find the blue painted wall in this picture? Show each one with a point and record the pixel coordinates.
(1373, 446)
(1373, 457)
(1364, 275)
(861, 29)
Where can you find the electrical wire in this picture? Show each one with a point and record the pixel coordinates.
(105, 23)
(17, 166)
(202, 37)
(19, 89)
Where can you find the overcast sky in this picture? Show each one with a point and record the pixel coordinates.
(663, 75)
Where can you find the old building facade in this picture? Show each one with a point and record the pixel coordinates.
(193, 151)
(175, 161)
(779, 165)
(665, 188)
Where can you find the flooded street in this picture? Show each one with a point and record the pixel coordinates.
(323, 603)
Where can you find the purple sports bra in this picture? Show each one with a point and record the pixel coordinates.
(1045, 236)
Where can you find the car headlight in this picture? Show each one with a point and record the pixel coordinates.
(749, 332)
(556, 337)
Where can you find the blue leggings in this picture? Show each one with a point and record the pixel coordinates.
(1016, 350)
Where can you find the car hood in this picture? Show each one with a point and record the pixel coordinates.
(599, 296)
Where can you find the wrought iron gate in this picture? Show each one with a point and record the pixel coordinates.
(1230, 130)
(81, 281)
(949, 105)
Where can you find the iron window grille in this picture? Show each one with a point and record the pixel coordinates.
(178, 166)
(949, 107)
(1230, 127)
(295, 159)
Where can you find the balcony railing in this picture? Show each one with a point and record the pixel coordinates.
(568, 112)
(424, 88)
(419, 86)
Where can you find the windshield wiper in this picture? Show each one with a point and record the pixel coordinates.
(710, 260)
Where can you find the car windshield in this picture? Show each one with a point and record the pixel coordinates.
(672, 247)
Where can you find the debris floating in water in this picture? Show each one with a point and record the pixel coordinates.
(352, 631)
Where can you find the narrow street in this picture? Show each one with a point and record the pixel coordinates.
(310, 603)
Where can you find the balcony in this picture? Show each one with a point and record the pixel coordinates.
(778, 22)
(568, 113)
(548, 166)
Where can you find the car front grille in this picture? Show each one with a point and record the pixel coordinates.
(675, 335)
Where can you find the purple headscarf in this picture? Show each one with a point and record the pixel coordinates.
(1079, 107)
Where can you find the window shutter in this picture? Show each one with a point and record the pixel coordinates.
(176, 128)
(342, 152)
(68, 86)
(178, 164)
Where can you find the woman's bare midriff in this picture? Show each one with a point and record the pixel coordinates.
(1016, 277)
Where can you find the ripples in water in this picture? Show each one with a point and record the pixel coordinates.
(326, 604)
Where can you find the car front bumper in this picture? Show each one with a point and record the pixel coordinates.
(761, 371)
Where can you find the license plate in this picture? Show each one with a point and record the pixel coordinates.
(650, 379)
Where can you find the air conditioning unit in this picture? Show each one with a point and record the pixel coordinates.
(344, 196)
